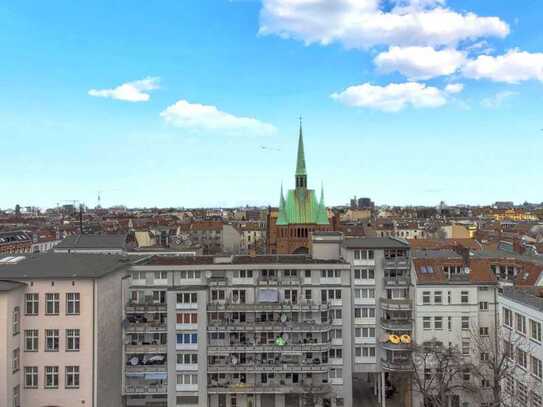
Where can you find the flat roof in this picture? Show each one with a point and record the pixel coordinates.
(233, 260)
(61, 265)
(93, 242)
(375, 243)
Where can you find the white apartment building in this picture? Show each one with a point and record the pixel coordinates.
(453, 306)
(60, 341)
(521, 311)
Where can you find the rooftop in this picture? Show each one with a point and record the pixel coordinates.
(75, 242)
(531, 297)
(435, 254)
(375, 243)
(9, 285)
(59, 265)
(203, 260)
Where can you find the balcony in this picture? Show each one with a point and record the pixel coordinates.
(242, 388)
(396, 263)
(297, 348)
(145, 348)
(397, 324)
(223, 326)
(146, 368)
(268, 368)
(397, 347)
(403, 304)
(141, 327)
(143, 389)
(402, 281)
(283, 306)
(401, 365)
(145, 306)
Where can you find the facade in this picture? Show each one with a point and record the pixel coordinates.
(61, 335)
(238, 331)
(299, 215)
(18, 241)
(521, 312)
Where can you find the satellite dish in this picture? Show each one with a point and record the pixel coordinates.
(234, 361)
(209, 274)
(283, 318)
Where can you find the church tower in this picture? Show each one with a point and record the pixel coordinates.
(299, 214)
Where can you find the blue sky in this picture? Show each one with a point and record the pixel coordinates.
(195, 103)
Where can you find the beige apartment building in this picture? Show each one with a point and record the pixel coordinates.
(61, 334)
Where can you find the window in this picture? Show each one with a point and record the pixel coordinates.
(51, 340)
(31, 376)
(17, 396)
(72, 303)
(216, 295)
(464, 297)
(187, 318)
(52, 304)
(160, 275)
(31, 340)
(484, 356)
(438, 323)
(483, 331)
(51, 377)
(449, 323)
(508, 349)
(507, 317)
(449, 297)
(427, 323)
(426, 297)
(521, 323)
(187, 379)
(465, 347)
(483, 306)
(16, 320)
(466, 376)
(72, 377)
(307, 273)
(308, 295)
(188, 298)
(537, 400)
(522, 392)
(368, 351)
(336, 373)
(15, 360)
(187, 358)
(522, 359)
(536, 367)
(437, 297)
(31, 304)
(72, 340)
(465, 323)
(535, 330)
(336, 353)
(187, 338)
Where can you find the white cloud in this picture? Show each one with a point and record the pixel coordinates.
(136, 91)
(362, 23)
(513, 67)
(392, 97)
(453, 88)
(206, 117)
(420, 63)
(498, 99)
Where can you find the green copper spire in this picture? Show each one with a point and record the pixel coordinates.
(300, 162)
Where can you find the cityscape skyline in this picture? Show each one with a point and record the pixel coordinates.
(202, 88)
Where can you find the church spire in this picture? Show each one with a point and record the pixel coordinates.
(322, 217)
(301, 174)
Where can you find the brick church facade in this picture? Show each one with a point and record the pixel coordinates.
(299, 214)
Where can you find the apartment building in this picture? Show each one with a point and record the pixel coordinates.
(60, 341)
(238, 331)
(521, 311)
(455, 305)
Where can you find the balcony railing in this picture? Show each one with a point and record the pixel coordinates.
(396, 305)
(397, 365)
(397, 324)
(399, 347)
(146, 389)
(146, 327)
(146, 368)
(145, 348)
(145, 306)
(220, 326)
(297, 348)
(396, 281)
(284, 306)
(269, 389)
(398, 262)
(268, 368)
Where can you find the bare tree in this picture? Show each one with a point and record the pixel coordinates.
(439, 373)
(494, 364)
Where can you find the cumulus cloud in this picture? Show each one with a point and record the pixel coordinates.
(207, 117)
(392, 97)
(498, 99)
(420, 63)
(136, 91)
(512, 67)
(453, 88)
(363, 23)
